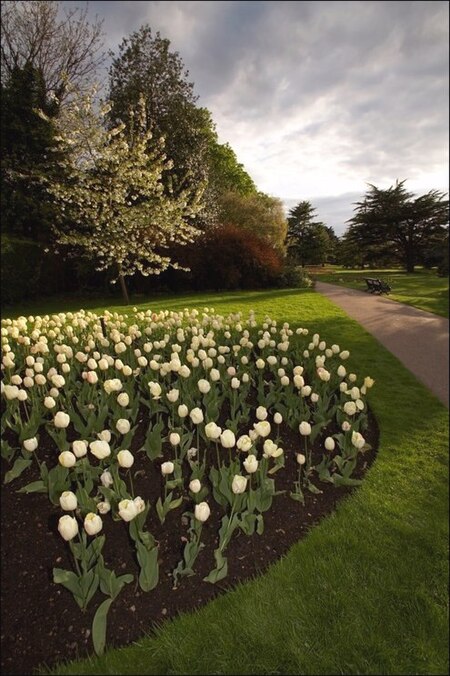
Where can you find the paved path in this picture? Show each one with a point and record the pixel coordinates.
(420, 340)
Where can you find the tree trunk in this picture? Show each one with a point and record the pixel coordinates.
(123, 286)
(409, 260)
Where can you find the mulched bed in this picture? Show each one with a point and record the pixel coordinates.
(41, 623)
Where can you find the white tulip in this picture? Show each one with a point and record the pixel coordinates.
(167, 468)
(358, 440)
(301, 459)
(251, 464)
(239, 484)
(204, 386)
(244, 443)
(202, 511)
(92, 524)
(183, 410)
(196, 416)
(106, 479)
(67, 527)
(61, 420)
(123, 399)
(68, 501)
(30, 445)
(127, 510)
(104, 507)
(262, 428)
(329, 444)
(213, 431)
(350, 408)
(195, 486)
(100, 449)
(174, 438)
(173, 395)
(227, 439)
(67, 459)
(123, 426)
(261, 413)
(304, 429)
(125, 458)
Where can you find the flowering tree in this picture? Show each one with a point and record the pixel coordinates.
(122, 215)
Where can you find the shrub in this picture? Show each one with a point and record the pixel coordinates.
(21, 261)
(294, 276)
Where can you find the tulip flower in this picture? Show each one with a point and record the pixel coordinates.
(125, 459)
(67, 527)
(239, 484)
(202, 511)
(68, 501)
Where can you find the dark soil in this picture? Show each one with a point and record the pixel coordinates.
(41, 623)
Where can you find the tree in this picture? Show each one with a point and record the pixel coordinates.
(396, 217)
(122, 217)
(146, 67)
(308, 241)
(27, 155)
(258, 213)
(226, 174)
(61, 49)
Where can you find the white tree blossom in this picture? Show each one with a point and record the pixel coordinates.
(112, 192)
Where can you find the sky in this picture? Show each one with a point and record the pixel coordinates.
(317, 99)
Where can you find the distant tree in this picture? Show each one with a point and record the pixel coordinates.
(258, 213)
(27, 149)
(121, 216)
(62, 49)
(333, 244)
(308, 241)
(396, 217)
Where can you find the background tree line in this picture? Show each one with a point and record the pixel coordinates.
(143, 193)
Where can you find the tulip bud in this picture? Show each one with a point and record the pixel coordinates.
(174, 438)
(125, 459)
(301, 459)
(239, 484)
(195, 486)
(123, 426)
(196, 416)
(304, 429)
(30, 445)
(67, 527)
(68, 501)
(227, 439)
(202, 511)
(61, 420)
(167, 468)
(127, 510)
(251, 464)
(261, 413)
(67, 459)
(329, 444)
(92, 524)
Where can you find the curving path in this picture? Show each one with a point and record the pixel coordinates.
(420, 340)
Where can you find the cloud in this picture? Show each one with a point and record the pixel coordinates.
(316, 98)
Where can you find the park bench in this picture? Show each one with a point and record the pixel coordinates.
(377, 285)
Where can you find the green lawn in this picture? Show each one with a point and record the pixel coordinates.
(422, 289)
(366, 592)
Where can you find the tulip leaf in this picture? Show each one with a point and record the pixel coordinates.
(153, 441)
(176, 503)
(70, 581)
(148, 562)
(99, 626)
(20, 465)
(34, 487)
(221, 569)
(340, 480)
(7, 451)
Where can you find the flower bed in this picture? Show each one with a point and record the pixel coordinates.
(172, 451)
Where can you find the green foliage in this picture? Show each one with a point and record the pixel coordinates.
(226, 174)
(293, 277)
(246, 261)
(27, 155)
(21, 262)
(396, 217)
(146, 66)
(256, 213)
(308, 241)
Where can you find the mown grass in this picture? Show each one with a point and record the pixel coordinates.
(422, 289)
(366, 592)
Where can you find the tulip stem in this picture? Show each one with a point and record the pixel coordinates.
(218, 456)
(131, 483)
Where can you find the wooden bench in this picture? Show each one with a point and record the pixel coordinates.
(377, 285)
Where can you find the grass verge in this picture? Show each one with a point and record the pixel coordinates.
(422, 289)
(366, 592)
